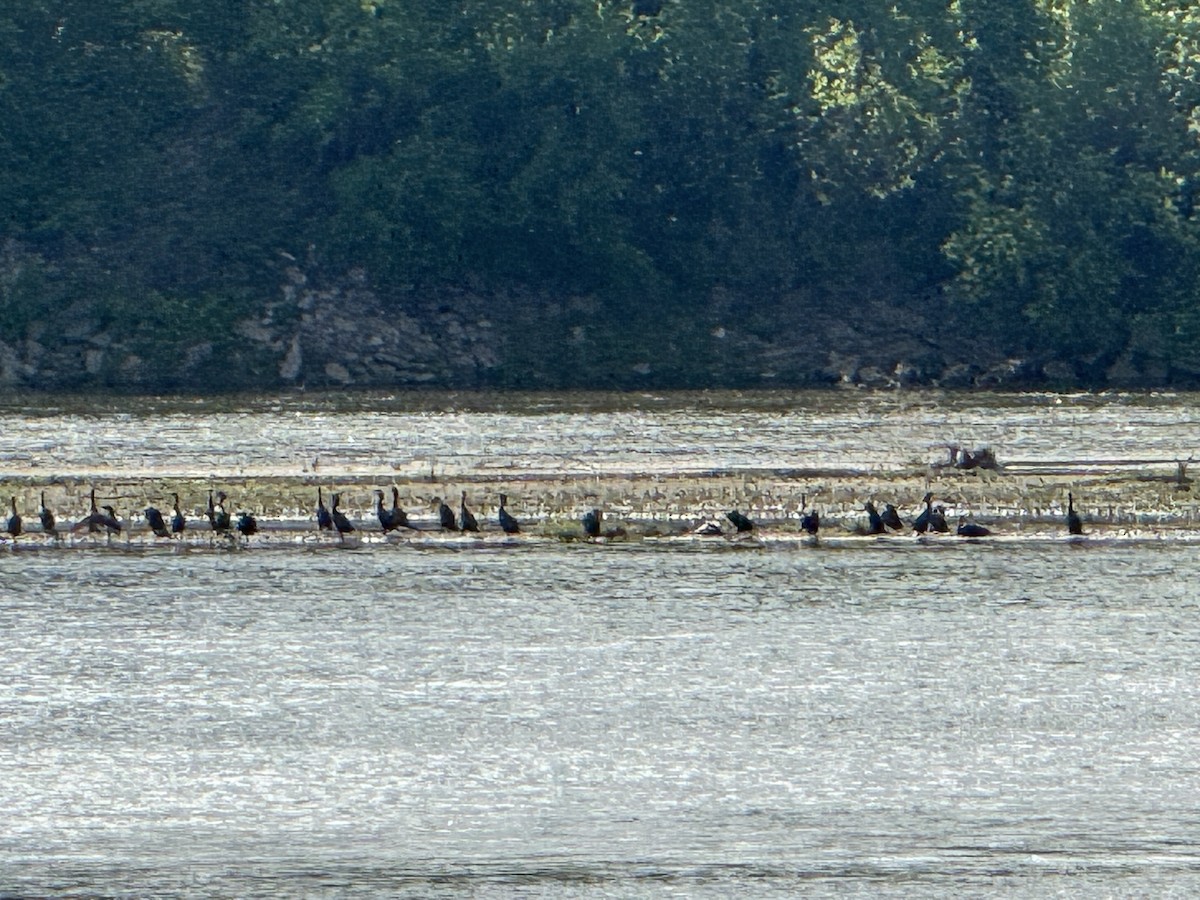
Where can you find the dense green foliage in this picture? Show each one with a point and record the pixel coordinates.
(628, 179)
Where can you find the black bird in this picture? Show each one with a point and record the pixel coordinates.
(390, 519)
(247, 524)
(399, 516)
(155, 520)
(340, 522)
(937, 520)
(218, 518)
(810, 522)
(13, 526)
(507, 522)
(466, 521)
(740, 522)
(921, 523)
(47, 517)
(324, 520)
(1074, 523)
(891, 518)
(97, 520)
(591, 523)
(971, 529)
(445, 515)
(874, 520)
(178, 520)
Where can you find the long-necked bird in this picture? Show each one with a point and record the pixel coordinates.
(48, 524)
(1074, 523)
(13, 526)
(591, 523)
(507, 522)
(178, 519)
(324, 519)
(340, 522)
(157, 524)
(466, 519)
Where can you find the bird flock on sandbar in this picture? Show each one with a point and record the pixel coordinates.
(103, 520)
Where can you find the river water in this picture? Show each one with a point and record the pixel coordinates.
(529, 716)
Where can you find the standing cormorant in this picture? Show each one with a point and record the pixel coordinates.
(390, 519)
(874, 520)
(445, 515)
(591, 523)
(155, 520)
(324, 520)
(1074, 523)
(247, 524)
(740, 522)
(937, 520)
(507, 522)
(47, 517)
(891, 518)
(178, 520)
(399, 516)
(921, 523)
(466, 520)
(340, 522)
(810, 522)
(13, 526)
(97, 520)
(218, 517)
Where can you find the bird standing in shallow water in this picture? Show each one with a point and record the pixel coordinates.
(340, 522)
(97, 520)
(390, 519)
(874, 520)
(157, 524)
(507, 522)
(1074, 523)
(445, 515)
(891, 518)
(247, 524)
(591, 523)
(178, 520)
(218, 518)
(466, 520)
(324, 520)
(13, 526)
(47, 517)
(810, 522)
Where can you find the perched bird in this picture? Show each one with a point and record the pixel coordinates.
(971, 529)
(97, 520)
(466, 520)
(874, 520)
(390, 519)
(740, 522)
(591, 523)
(247, 524)
(891, 518)
(324, 520)
(1074, 523)
(445, 515)
(937, 520)
(507, 522)
(178, 520)
(921, 523)
(218, 518)
(13, 525)
(155, 520)
(340, 522)
(810, 522)
(399, 516)
(47, 517)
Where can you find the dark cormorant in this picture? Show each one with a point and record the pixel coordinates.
(740, 522)
(218, 518)
(97, 520)
(891, 518)
(108, 521)
(507, 522)
(390, 519)
(971, 529)
(155, 520)
(13, 525)
(921, 523)
(1074, 523)
(47, 517)
(937, 520)
(810, 522)
(445, 515)
(247, 524)
(324, 520)
(874, 520)
(178, 520)
(466, 521)
(591, 523)
(399, 516)
(340, 522)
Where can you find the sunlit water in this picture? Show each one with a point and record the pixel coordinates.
(682, 716)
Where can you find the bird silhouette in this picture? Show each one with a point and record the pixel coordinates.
(921, 523)
(13, 526)
(466, 520)
(340, 522)
(218, 517)
(154, 519)
(96, 520)
(247, 524)
(740, 522)
(399, 516)
(1074, 523)
(971, 529)
(445, 515)
(591, 523)
(891, 518)
(178, 519)
(390, 519)
(937, 520)
(810, 522)
(874, 520)
(324, 520)
(47, 517)
(507, 522)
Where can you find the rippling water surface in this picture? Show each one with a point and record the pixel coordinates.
(873, 717)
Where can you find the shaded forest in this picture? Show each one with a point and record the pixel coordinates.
(584, 193)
